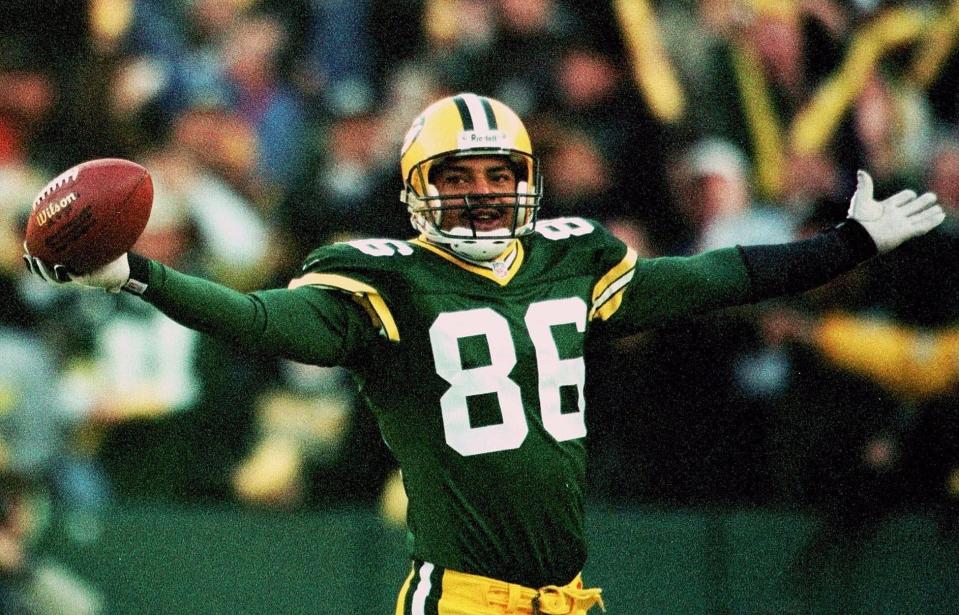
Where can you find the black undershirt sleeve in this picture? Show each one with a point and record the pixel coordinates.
(798, 266)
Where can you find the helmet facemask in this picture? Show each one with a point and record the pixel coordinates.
(427, 210)
(467, 126)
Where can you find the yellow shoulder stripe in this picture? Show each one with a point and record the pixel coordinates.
(368, 296)
(608, 291)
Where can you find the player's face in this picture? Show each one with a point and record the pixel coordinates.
(477, 177)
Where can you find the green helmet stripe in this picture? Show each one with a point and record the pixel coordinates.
(488, 109)
(464, 113)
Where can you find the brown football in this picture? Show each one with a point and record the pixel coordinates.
(90, 214)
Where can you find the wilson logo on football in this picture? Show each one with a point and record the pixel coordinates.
(44, 215)
(70, 175)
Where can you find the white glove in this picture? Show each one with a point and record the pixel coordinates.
(111, 277)
(896, 219)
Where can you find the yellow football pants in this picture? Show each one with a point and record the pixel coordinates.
(432, 590)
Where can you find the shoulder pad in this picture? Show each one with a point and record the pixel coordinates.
(577, 233)
(588, 241)
(359, 253)
(359, 268)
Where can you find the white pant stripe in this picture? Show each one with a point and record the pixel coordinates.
(422, 589)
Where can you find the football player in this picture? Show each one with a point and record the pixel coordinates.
(467, 343)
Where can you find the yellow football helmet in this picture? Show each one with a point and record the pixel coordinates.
(468, 125)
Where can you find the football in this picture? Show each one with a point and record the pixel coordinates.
(90, 214)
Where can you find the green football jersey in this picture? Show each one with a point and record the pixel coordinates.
(478, 385)
(475, 373)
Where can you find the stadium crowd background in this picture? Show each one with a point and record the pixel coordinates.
(273, 126)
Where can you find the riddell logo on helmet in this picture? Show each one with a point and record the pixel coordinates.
(469, 139)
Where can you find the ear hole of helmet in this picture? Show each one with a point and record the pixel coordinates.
(522, 189)
(437, 213)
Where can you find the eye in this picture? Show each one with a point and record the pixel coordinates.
(454, 180)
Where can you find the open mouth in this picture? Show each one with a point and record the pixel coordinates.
(485, 218)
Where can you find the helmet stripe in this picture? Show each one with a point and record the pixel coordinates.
(478, 109)
(488, 109)
(480, 123)
(464, 113)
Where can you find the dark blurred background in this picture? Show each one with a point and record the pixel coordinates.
(799, 456)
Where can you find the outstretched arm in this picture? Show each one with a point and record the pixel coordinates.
(669, 288)
(872, 227)
(305, 324)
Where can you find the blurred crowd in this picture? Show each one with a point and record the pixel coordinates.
(273, 126)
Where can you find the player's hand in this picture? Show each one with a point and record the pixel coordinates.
(896, 219)
(111, 277)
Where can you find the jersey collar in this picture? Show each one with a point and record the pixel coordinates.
(501, 270)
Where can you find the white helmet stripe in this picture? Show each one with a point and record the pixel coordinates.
(477, 113)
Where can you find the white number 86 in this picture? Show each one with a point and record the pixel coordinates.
(554, 373)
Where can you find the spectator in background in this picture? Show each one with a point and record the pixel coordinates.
(772, 57)
(170, 54)
(469, 39)
(310, 426)
(345, 188)
(459, 37)
(578, 172)
(259, 93)
(34, 444)
(893, 122)
(904, 341)
(339, 60)
(40, 469)
(598, 107)
(26, 99)
(536, 33)
(233, 61)
(720, 205)
(341, 191)
(49, 103)
(208, 173)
